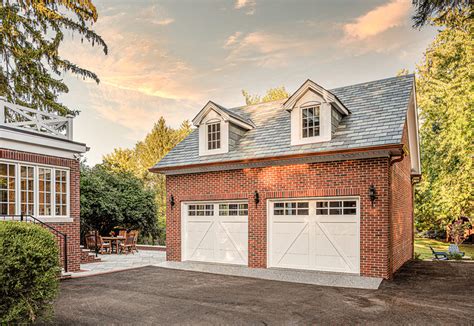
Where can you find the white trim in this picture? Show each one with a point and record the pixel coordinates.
(312, 211)
(211, 106)
(214, 117)
(39, 144)
(413, 133)
(324, 124)
(309, 85)
(50, 218)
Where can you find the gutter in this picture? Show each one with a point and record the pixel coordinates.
(394, 147)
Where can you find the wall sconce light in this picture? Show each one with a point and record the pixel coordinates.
(172, 200)
(372, 194)
(256, 197)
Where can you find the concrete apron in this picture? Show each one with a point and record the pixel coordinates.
(278, 274)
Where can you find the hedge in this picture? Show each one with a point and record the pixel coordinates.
(29, 272)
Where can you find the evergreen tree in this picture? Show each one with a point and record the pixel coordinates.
(31, 32)
(446, 102)
(439, 10)
(143, 156)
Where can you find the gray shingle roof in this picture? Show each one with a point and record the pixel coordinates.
(378, 111)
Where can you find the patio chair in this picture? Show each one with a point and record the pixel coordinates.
(127, 245)
(135, 239)
(454, 250)
(439, 255)
(90, 240)
(104, 246)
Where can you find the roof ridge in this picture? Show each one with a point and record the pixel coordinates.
(373, 81)
(250, 105)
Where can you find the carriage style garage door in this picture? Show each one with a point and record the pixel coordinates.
(215, 232)
(319, 234)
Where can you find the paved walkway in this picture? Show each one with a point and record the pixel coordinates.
(278, 274)
(113, 262)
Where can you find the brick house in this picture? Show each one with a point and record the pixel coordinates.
(39, 175)
(322, 180)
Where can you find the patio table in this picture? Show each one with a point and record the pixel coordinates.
(112, 240)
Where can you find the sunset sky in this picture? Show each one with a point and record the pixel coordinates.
(167, 58)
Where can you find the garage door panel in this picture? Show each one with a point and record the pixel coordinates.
(211, 237)
(327, 242)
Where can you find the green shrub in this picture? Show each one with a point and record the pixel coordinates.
(29, 270)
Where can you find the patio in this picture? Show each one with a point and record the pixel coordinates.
(114, 262)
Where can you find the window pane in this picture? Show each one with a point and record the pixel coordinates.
(321, 212)
(335, 211)
(350, 211)
(335, 204)
(349, 204)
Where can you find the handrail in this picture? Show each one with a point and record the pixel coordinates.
(36, 220)
(95, 236)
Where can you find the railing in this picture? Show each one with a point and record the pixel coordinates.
(32, 219)
(85, 228)
(17, 116)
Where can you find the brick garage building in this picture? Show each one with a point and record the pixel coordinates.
(320, 181)
(40, 175)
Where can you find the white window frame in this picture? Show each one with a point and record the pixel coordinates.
(211, 118)
(315, 108)
(325, 121)
(47, 218)
(216, 132)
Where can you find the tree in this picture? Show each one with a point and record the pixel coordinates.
(446, 99)
(272, 94)
(143, 156)
(31, 32)
(439, 9)
(110, 199)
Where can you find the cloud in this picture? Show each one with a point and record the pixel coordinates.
(136, 111)
(246, 4)
(136, 62)
(231, 40)
(264, 49)
(163, 22)
(378, 20)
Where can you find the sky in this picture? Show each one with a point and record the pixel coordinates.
(168, 58)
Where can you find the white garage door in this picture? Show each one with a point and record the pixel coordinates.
(320, 234)
(215, 232)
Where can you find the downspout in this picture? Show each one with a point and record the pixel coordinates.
(392, 160)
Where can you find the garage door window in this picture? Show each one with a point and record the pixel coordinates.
(233, 209)
(291, 208)
(337, 207)
(200, 210)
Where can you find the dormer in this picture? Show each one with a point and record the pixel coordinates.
(315, 114)
(219, 129)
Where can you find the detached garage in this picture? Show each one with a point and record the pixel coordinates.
(320, 181)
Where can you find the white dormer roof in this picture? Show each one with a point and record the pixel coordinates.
(226, 114)
(309, 85)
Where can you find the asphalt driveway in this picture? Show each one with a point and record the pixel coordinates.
(422, 293)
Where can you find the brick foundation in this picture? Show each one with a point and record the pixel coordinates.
(72, 229)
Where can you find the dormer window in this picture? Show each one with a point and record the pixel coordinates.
(213, 135)
(310, 121)
(315, 114)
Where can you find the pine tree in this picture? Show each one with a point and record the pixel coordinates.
(31, 32)
(446, 102)
(143, 156)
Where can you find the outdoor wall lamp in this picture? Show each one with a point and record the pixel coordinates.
(256, 197)
(172, 200)
(372, 194)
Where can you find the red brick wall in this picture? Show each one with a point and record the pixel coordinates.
(401, 210)
(345, 178)
(72, 229)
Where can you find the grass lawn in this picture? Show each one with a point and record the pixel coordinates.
(422, 247)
